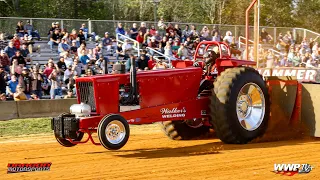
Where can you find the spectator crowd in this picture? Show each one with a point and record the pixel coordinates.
(21, 79)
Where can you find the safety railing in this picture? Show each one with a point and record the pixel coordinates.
(8, 24)
(121, 38)
(157, 54)
(260, 45)
(241, 43)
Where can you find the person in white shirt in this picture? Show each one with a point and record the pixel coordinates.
(67, 60)
(183, 52)
(69, 73)
(228, 37)
(126, 47)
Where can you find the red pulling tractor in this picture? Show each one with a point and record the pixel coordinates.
(223, 93)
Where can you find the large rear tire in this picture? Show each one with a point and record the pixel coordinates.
(183, 130)
(240, 105)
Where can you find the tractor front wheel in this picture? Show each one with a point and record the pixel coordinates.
(113, 131)
(240, 106)
(184, 130)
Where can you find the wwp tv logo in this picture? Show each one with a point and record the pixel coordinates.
(292, 169)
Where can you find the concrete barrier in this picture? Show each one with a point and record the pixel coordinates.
(8, 110)
(43, 108)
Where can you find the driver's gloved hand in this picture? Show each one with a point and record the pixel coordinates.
(196, 64)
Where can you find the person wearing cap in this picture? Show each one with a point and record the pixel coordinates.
(128, 62)
(134, 31)
(106, 42)
(30, 30)
(54, 39)
(126, 47)
(100, 64)
(57, 25)
(183, 52)
(153, 44)
(4, 61)
(85, 30)
(63, 46)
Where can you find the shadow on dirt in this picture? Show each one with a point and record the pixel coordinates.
(202, 149)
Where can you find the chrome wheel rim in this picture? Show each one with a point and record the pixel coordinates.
(194, 123)
(115, 132)
(250, 106)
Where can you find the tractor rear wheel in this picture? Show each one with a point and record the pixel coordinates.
(240, 106)
(184, 130)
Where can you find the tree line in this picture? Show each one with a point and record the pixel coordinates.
(281, 13)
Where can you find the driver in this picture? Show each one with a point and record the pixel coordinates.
(210, 59)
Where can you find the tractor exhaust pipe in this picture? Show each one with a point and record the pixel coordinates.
(133, 81)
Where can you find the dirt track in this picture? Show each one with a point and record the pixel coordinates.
(149, 154)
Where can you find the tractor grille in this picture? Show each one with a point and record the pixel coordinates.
(87, 94)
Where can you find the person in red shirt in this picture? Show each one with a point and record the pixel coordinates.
(169, 28)
(153, 30)
(140, 37)
(16, 41)
(48, 69)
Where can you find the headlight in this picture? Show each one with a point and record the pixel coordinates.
(80, 110)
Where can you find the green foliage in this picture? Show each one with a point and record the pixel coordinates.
(290, 13)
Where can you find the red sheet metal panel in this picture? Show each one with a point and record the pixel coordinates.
(168, 86)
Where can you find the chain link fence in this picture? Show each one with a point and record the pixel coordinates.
(8, 25)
